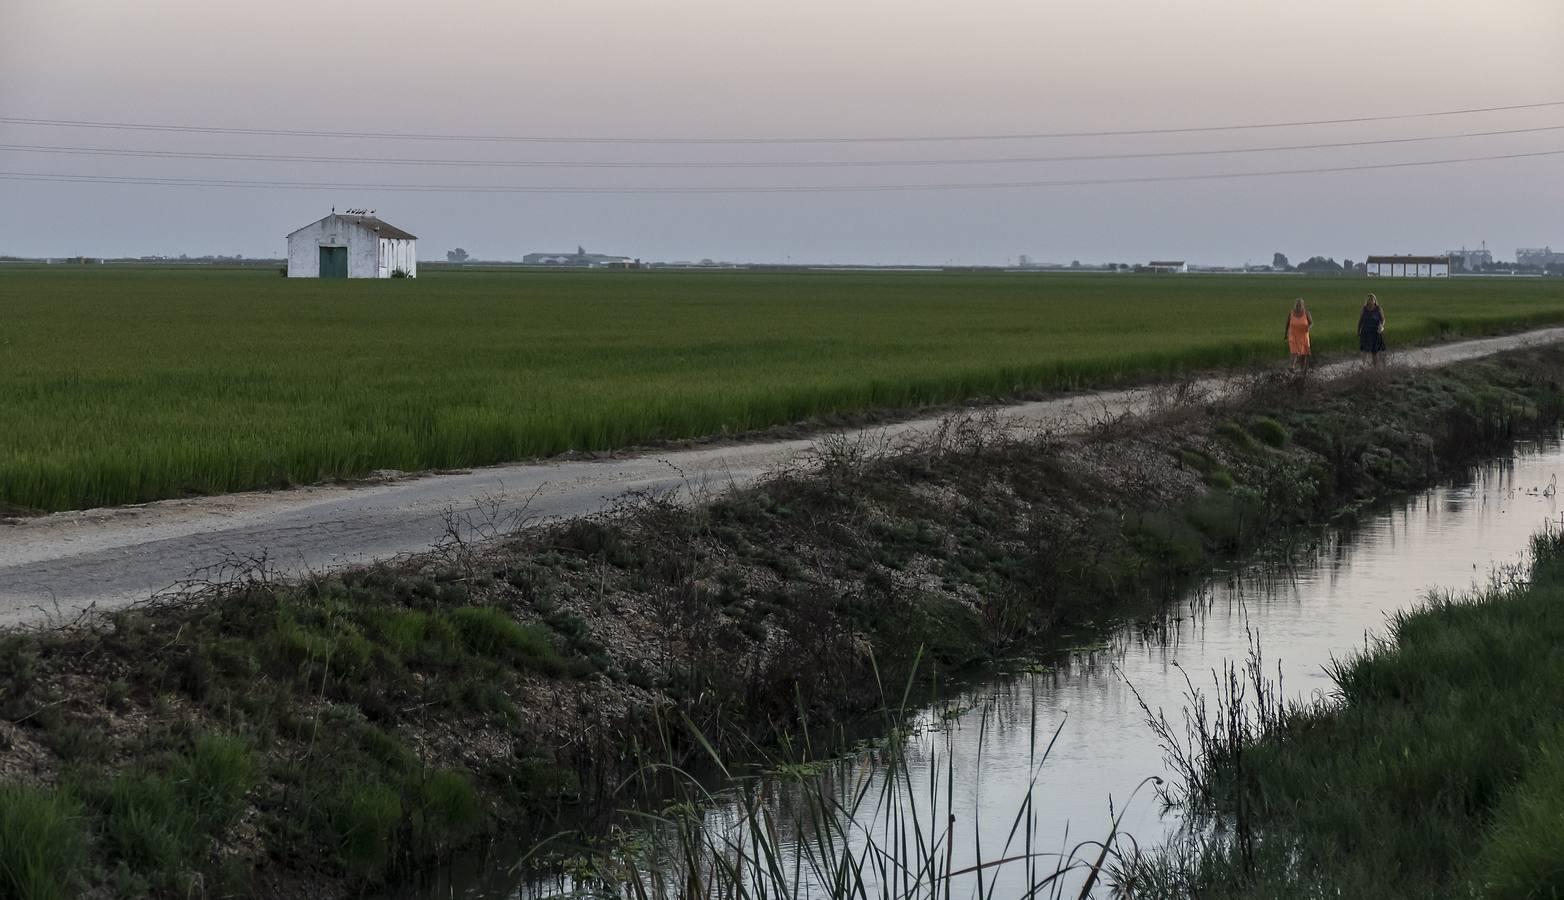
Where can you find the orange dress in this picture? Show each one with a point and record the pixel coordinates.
(1298, 334)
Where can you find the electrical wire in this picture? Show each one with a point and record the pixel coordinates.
(884, 139)
(777, 189)
(799, 164)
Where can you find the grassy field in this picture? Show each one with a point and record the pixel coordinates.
(126, 385)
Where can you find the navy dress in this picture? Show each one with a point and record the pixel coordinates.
(1369, 338)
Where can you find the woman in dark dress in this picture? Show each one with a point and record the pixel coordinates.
(1371, 331)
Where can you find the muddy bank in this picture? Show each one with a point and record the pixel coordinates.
(280, 738)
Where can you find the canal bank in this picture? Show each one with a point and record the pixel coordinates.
(1432, 766)
(290, 738)
(1058, 742)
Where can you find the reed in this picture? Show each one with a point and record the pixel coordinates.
(877, 824)
(1434, 770)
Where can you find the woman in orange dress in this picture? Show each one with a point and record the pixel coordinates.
(1297, 333)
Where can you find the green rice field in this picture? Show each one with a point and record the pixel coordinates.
(121, 385)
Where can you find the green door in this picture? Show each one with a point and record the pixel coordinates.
(333, 262)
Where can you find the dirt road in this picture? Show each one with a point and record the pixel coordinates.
(57, 565)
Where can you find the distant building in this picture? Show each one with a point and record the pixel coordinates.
(1407, 267)
(1165, 265)
(579, 258)
(1539, 257)
(351, 245)
(1470, 260)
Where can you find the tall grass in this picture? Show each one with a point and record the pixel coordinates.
(1437, 770)
(129, 385)
(884, 828)
(41, 843)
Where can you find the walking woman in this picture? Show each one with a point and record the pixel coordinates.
(1371, 331)
(1299, 322)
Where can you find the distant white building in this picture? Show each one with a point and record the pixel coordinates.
(1538, 257)
(580, 258)
(1471, 260)
(1166, 265)
(1407, 267)
(351, 245)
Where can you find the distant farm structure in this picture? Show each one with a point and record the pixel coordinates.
(1464, 260)
(581, 259)
(1407, 267)
(1164, 266)
(1539, 257)
(353, 244)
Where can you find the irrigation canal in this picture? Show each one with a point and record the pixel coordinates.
(976, 754)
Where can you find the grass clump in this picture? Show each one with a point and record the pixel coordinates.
(1442, 759)
(1269, 432)
(360, 817)
(159, 820)
(1521, 857)
(492, 633)
(1237, 435)
(42, 844)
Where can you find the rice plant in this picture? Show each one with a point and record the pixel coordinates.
(127, 385)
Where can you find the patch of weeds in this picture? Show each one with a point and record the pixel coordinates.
(116, 695)
(215, 775)
(490, 633)
(485, 697)
(296, 644)
(74, 741)
(1270, 432)
(148, 826)
(1196, 460)
(1220, 479)
(18, 671)
(1221, 516)
(1164, 538)
(448, 806)
(42, 846)
(533, 777)
(361, 817)
(1236, 434)
(592, 538)
(159, 820)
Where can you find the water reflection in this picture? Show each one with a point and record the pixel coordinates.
(1320, 604)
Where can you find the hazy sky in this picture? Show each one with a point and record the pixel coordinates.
(802, 68)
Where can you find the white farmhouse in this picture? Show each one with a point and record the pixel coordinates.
(351, 245)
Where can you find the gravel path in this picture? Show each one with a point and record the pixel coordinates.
(57, 565)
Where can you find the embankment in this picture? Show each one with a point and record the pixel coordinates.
(282, 738)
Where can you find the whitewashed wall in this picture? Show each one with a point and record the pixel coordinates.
(304, 249)
(369, 255)
(398, 254)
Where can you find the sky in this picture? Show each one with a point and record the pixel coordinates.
(677, 70)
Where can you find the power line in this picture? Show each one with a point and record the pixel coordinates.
(804, 164)
(778, 189)
(887, 139)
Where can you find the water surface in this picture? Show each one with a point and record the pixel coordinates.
(1323, 604)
